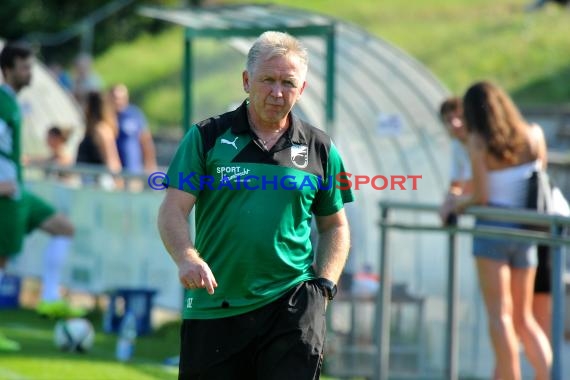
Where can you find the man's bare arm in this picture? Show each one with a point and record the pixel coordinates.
(334, 244)
(174, 232)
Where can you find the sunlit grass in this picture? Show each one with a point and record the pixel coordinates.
(40, 360)
(461, 41)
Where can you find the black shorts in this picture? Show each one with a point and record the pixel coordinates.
(282, 340)
(542, 279)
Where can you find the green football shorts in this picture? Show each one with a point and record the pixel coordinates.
(18, 218)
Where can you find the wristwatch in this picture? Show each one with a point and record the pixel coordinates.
(328, 287)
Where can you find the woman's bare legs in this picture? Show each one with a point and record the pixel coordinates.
(495, 284)
(536, 344)
(542, 311)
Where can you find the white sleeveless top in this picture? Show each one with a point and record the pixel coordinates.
(509, 187)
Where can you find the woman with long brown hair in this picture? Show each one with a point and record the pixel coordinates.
(98, 146)
(504, 151)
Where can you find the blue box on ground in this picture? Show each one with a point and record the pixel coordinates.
(10, 291)
(122, 300)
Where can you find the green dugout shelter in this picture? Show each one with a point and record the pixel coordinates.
(247, 21)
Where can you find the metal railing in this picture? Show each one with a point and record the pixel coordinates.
(553, 222)
(75, 175)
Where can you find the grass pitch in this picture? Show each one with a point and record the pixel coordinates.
(39, 359)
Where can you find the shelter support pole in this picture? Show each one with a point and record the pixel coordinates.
(330, 84)
(558, 257)
(451, 344)
(382, 360)
(187, 84)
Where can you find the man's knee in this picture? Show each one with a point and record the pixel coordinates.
(58, 225)
(68, 229)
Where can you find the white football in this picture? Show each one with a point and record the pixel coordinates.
(74, 335)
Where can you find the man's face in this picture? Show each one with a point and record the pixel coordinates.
(20, 75)
(455, 125)
(274, 86)
(53, 141)
(120, 98)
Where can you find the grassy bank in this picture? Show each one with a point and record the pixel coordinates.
(459, 40)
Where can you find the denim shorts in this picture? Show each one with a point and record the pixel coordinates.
(516, 254)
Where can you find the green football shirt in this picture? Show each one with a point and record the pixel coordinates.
(254, 208)
(10, 125)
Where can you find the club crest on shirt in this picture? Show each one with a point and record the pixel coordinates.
(300, 155)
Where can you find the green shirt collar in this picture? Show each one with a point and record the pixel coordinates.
(240, 125)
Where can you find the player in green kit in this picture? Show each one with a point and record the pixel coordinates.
(21, 211)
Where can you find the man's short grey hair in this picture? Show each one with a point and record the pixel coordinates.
(272, 44)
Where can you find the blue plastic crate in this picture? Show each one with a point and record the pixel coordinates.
(10, 286)
(139, 301)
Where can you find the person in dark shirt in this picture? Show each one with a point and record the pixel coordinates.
(98, 146)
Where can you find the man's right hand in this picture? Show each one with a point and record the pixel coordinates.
(447, 208)
(194, 273)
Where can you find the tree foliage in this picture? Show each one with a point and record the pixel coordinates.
(39, 21)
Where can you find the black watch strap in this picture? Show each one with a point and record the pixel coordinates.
(328, 287)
